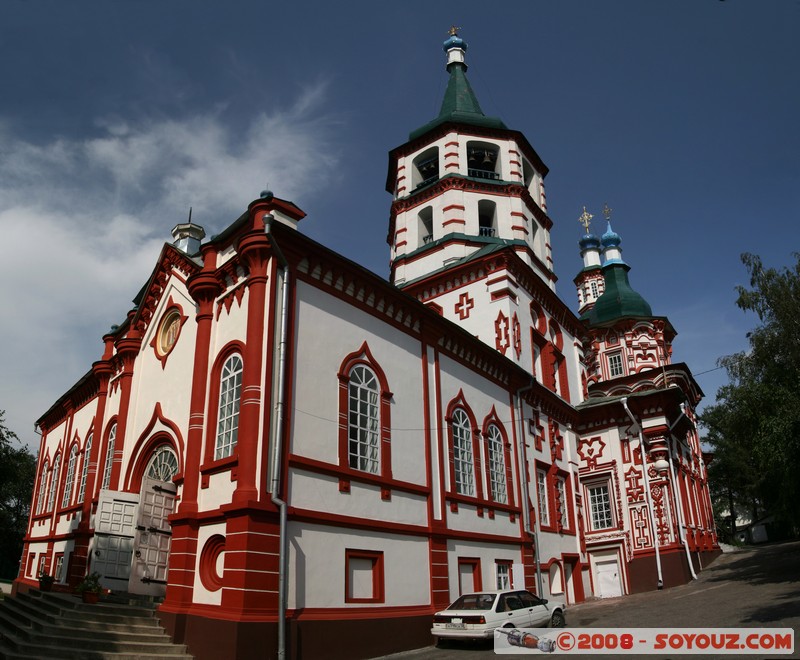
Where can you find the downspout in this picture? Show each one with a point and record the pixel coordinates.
(526, 517)
(275, 479)
(679, 497)
(648, 497)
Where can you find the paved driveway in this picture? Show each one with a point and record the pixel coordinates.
(754, 588)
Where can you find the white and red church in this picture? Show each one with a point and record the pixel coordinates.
(305, 460)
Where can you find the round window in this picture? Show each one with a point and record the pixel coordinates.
(169, 331)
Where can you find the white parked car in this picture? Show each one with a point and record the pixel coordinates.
(475, 616)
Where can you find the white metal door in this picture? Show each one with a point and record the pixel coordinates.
(608, 579)
(153, 536)
(113, 541)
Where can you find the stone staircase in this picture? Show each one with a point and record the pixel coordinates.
(56, 626)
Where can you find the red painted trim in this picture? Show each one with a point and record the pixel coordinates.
(350, 474)
(450, 207)
(459, 402)
(207, 566)
(454, 221)
(363, 357)
(214, 383)
(477, 579)
(376, 558)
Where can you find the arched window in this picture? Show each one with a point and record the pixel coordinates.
(230, 395)
(73, 459)
(87, 454)
(363, 420)
(366, 402)
(497, 464)
(112, 436)
(463, 463)
(425, 168)
(163, 465)
(51, 493)
(42, 488)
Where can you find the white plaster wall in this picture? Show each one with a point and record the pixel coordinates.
(317, 566)
(317, 492)
(487, 554)
(466, 519)
(200, 594)
(327, 330)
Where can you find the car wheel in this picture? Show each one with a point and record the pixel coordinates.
(558, 620)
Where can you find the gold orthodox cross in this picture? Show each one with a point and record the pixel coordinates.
(453, 31)
(585, 219)
(607, 211)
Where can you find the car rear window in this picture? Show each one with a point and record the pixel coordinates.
(473, 602)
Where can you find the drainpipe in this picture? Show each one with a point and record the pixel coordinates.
(649, 499)
(679, 497)
(526, 518)
(278, 439)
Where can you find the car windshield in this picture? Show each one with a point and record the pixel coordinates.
(473, 602)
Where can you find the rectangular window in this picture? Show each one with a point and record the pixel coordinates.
(42, 564)
(561, 491)
(364, 576)
(615, 365)
(600, 506)
(59, 566)
(541, 489)
(503, 574)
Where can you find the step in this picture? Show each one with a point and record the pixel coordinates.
(29, 608)
(105, 605)
(43, 608)
(55, 647)
(32, 629)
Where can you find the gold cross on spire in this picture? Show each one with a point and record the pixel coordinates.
(585, 219)
(607, 211)
(453, 31)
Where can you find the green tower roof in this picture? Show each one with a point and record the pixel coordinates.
(619, 300)
(460, 105)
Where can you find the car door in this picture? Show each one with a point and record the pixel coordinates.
(512, 611)
(537, 610)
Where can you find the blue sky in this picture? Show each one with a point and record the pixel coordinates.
(117, 116)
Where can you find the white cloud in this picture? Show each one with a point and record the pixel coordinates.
(82, 223)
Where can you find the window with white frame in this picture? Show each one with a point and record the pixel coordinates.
(541, 489)
(58, 567)
(363, 435)
(70, 481)
(87, 453)
(615, 365)
(42, 488)
(497, 464)
(593, 288)
(462, 453)
(600, 506)
(230, 395)
(561, 491)
(112, 437)
(503, 574)
(51, 496)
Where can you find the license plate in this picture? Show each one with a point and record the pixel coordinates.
(460, 626)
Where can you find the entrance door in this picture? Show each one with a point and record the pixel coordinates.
(114, 525)
(608, 579)
(153, 536)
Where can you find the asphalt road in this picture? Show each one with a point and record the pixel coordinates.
(757, 587)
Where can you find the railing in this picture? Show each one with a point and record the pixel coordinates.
(483, 174)
(486, 231)
(427, 181)
(427, 239)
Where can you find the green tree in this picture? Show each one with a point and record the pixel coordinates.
(17, 474)
(754, 426)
